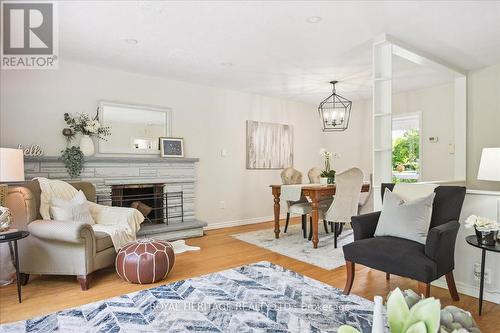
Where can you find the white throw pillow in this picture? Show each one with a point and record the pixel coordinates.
(76, 209)
(409, 220)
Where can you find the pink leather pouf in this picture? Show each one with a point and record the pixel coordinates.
(145, 261)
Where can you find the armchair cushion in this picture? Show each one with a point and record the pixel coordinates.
(102, 241)
(63, 231)
(393, 255)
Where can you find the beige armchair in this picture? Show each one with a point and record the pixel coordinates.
(57, 247)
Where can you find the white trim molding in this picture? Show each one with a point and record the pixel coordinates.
(236, 223)
(470, 290)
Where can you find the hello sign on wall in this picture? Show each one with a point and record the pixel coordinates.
(31, 151)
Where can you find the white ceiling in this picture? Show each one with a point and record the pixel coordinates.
(269, 47)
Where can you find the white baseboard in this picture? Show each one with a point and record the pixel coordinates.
(235, 223)
(469, 290)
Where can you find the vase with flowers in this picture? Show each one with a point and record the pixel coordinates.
(88, 127)
(328, 174)
(486, 229)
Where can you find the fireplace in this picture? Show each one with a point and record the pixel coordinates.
(112, 177)
(152, 200)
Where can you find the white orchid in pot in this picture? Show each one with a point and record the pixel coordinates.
(328, 174)
(486, 229)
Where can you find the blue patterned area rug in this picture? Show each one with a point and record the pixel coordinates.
(260, 297)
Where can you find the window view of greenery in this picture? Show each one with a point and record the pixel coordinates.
(405, 156)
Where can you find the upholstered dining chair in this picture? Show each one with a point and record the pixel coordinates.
(393, 255)
(345, 203)
(365, 196)
(314, 175)
(291, 176)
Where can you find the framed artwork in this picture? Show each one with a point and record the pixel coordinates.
(269, 145)
(172, 147)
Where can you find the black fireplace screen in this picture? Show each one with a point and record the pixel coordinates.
(157, 205)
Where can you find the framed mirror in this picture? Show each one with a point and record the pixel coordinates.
(135, 129)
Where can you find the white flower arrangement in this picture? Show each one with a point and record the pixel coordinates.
(324, 153)
(86, 125)
(92, 126)
(481, 223)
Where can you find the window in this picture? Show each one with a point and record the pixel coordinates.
(406, 134)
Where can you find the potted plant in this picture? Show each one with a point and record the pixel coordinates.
(89, 127)
(486, 229)
(408, 312)
(72, 158)
(328, 174)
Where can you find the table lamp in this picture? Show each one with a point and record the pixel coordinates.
(489, 169)
(11, 170)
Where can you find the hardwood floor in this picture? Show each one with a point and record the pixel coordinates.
(46, 294)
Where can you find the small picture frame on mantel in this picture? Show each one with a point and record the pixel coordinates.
(171, 147)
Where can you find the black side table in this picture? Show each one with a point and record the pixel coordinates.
(13, 238)
(472, 240)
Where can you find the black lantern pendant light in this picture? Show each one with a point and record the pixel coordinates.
(334, 112)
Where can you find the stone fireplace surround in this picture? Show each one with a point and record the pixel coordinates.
(178, 174)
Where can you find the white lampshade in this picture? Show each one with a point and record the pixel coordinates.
(489, 168)
(11, 165)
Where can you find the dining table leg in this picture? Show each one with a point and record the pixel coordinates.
(315, 219)
(276, 195)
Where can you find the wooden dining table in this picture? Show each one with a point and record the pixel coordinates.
(313, 193)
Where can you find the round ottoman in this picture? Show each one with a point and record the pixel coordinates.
(145, 261)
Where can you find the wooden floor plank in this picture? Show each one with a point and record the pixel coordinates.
(46, 294)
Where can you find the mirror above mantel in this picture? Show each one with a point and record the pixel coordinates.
(135, 129)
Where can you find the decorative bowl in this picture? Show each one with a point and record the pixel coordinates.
(486, 236)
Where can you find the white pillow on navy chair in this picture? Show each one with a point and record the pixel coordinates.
(405, 219)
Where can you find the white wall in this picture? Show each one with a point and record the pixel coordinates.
(354, 145)
(482, 203)
(33, 103)
(483, 121)
(436, 104)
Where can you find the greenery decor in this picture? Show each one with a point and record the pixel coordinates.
(73, 160)
(86, 125)
(408, 312)
(328, 174)
(405, 151)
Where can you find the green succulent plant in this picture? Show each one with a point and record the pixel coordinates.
(72, 158)
(407, 312)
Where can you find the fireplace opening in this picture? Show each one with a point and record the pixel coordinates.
(156, 204)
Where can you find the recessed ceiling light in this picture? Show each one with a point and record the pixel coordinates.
(313, 19)
(131, 41)
(226, 64)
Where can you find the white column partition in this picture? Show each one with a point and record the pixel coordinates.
(384, 48)
(382, 116)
